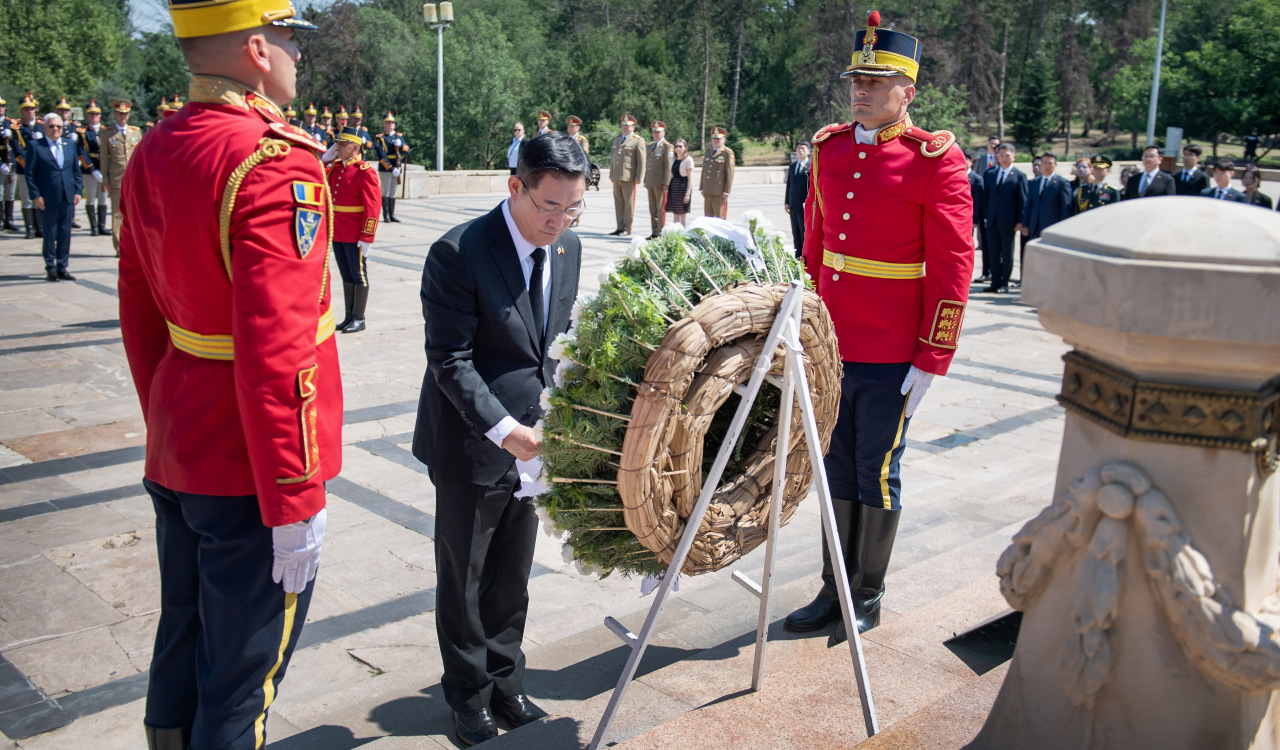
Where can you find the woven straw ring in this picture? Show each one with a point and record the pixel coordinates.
(691, 376)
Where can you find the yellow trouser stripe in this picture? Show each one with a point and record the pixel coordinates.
(269, 684)
(888, 459)
(874, 268)
(221, 347)
(348, 209)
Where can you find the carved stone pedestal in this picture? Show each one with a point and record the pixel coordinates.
(1150, 586)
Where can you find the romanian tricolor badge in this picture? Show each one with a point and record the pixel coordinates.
(306, 227)
(308, 193)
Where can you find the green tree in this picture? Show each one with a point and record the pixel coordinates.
(1034, 115)
(482, 88)
(57, 47)
(936, 108)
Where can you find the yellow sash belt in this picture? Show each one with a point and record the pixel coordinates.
(220, 347)
(349, 209)
(876, 269)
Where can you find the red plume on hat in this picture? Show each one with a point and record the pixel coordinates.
(873, 21)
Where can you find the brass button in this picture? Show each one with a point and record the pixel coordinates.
(856, 175)
(848, 195)
(846, 217)
(842, 235)
(835, 277)
(862, 154)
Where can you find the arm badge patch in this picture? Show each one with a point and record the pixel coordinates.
(306, 228)
(945, 331)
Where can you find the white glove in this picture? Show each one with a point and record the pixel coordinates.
(396, 172)
(296, 549)
(97, 175)
(364, 248)
(330, 155)
(8, 133)
(916, 384)
(4, 169)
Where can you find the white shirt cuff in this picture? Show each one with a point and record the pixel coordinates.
(499, 431)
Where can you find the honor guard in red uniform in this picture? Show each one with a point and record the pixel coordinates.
(225, 313)
(889, 245)
(353, 187)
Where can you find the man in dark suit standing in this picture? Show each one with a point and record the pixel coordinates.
(1150, 182)
(54, 184)
(1005, 201)
(1049, 202)
(1191, 180)
(1223, 172)
(978, 193)
(796, 193)
(486, 339)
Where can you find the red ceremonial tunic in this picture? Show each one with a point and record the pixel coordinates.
(357, 199)
(901, 214)
(231, 345)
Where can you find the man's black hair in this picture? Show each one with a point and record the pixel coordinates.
(1156, 146)
(1193, 148)
(554, 153)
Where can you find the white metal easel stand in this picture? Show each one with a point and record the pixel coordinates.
(787, 327)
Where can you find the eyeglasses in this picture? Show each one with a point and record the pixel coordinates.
(572, 212)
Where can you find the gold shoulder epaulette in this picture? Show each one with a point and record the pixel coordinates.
(932, 145)
(830, 130)
(366, 165)
(297, 135)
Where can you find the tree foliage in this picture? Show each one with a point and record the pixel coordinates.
(1033, 117)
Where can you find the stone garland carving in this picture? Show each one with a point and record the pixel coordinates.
(1232, 647)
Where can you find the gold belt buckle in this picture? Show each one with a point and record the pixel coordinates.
(839, 261)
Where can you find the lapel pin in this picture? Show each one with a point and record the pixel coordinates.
(560, 250)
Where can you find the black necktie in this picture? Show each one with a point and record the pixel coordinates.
(535, 293)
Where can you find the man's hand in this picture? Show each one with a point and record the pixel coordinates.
(1025, 232)
(521, 443)
(914, 387)
(786, 207)
(296, 552)
(1019, 228)
(76, 201)
(106, 189)
(39, 203)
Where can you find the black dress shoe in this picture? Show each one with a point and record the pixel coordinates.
(355, 326)
(991, 289)
(65, 276)
(518, 710)
(1004, 289)
(474, 727)
(617, 232)
(821, 612)
(51, 276)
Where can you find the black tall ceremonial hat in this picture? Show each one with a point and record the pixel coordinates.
(882, 52)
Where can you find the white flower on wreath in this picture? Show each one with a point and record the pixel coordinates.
(559, 346)
(539, 429)
(586, 569)
(757, 218)
(605, 273)
(544, 400)
(670, 229)
(566, 554)
(563, 370)
(580, 306)
(633, 249)
(548, 526)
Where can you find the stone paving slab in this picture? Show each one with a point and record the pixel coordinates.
(77, 562)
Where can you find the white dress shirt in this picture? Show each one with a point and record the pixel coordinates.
(513, 152)
(1002, 175)
(524, 249)
(862, 135)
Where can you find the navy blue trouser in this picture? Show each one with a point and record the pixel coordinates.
(55, 222)
(1001, 239)
(351, 263)
(226, 630)
(870, 435)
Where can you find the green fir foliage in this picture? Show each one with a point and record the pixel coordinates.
(603, 358)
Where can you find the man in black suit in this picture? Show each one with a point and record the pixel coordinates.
(1191, 180)
(976, 190)
(796, 193)
(486, 341)
(54, 184)
(1223, 172)
(1049, 199)
(1004, 200)
(1150, 182)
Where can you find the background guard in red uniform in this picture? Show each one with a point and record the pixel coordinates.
(354, 190)
(889, 245)
(225, 314)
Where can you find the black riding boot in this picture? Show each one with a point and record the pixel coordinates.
(102, 220)
(8, 217)
(93, 221)
(38, 217)
(349, 300)
(825, 608)
(178, 738)
(27, 222)
(873, 544)
(391, 210)
(386, 210)
(357, 323)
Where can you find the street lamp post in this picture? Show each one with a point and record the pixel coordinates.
(439, 23)
(1155, 81)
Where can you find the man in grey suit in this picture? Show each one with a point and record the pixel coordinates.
(54, 183)
(986, 159)
(495, 291)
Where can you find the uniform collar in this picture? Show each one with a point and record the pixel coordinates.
(353, 160)
(882, 135)
(219, 90)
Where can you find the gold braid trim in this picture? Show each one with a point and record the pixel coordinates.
(813, 173)
(324, 275)
(268, 148)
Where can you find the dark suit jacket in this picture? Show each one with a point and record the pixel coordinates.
(45, 179)
(975, 188)
(483, 362)
(1044, 209)
(1161, 184)
(1233, 195)
(1006, 205)
(984, 161)
(797, 185)
(1194, 185)
(1261, 199)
